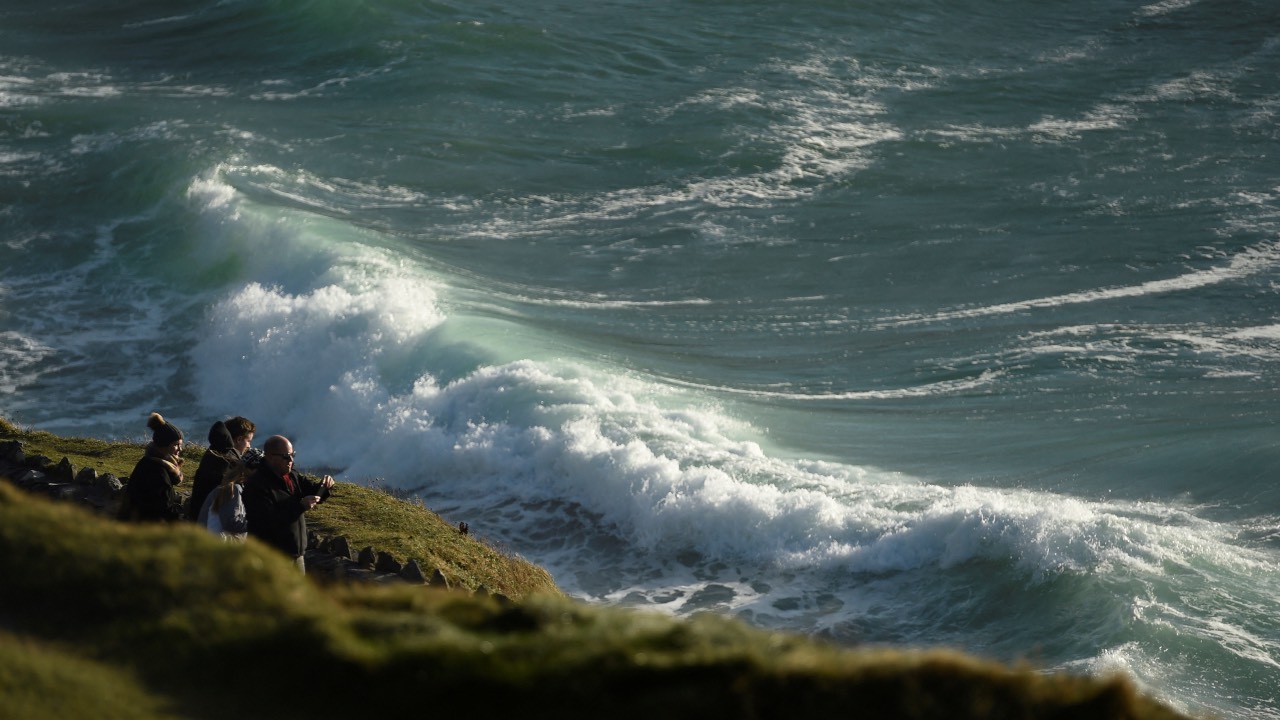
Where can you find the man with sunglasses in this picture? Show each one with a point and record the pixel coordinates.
(276, 499)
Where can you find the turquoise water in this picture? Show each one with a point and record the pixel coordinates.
(911, 323)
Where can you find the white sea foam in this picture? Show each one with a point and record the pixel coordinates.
(213, 193)
(821, 130)
(354, 355)
(1164, 7)
(1250, 261)
(335, 358)
(108, 141)
(24, 84)
(19, 357)
(75, 322)
(942, 387)
(321, 88)
(14, 93)
(1151, 346)
(157, 21)
(1103, 117)
(332, 195)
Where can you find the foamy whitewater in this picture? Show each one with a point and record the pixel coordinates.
(908, 323)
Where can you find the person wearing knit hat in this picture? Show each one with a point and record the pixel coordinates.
(149, 494)
(163, 432)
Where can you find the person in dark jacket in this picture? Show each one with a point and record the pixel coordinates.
(227, 443)
(150, 494)
(276, 499)
(223, 510)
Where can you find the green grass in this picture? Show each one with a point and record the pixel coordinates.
(117, 458)
(365, 516)
(43, 680)
(371, 517)
(100, 619)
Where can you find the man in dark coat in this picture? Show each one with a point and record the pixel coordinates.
(276, 499)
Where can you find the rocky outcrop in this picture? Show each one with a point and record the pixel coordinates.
(328, 559)
(60, 481)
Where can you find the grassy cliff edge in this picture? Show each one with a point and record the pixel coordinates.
(100, 619)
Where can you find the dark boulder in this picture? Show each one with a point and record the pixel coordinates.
(63, 472)
(388, 564)
(28, 478)
(339, 547)
(39, 462)
(412, 572)
(11, 452)
(439, 580)
(109, 482)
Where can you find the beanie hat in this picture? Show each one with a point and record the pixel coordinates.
(220, 437)
(163, 432)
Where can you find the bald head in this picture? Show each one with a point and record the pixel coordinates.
(279, 454)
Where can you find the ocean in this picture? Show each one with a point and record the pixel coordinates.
(908, 323)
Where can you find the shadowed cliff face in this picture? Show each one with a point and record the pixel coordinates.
(172, 603)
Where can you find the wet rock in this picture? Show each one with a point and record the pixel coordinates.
(86, 476)
(108, 482)
(367, 557)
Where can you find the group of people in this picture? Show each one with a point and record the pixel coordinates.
(237, 490)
